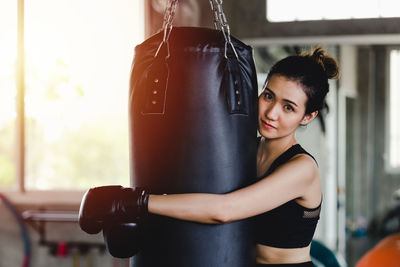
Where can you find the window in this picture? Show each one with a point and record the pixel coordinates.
(77, 65)
(394, 112)
(288, 10)
(8, 52)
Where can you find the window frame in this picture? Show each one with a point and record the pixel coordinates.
(249, 17)
(377, 16)
(45, 199)
(18, 192)
(387, 167)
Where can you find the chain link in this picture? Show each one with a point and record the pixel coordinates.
(169, 16)
(221, 23)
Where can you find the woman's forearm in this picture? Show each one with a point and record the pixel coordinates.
(260, 197)
(197, 207)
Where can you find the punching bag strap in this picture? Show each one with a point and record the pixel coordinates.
(158, 73)
(156, 76)
(235, 87)
(232, 81)
(155, 79)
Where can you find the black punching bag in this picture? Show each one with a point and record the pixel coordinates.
(193, 119)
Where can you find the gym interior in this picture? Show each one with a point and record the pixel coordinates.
(64, 86)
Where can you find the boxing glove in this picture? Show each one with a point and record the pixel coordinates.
(124, 240)
(110, 205)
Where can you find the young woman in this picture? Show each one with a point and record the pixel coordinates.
(287, 197)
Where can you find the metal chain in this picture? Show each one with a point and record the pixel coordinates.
(215, 14)
(221, 23)
(169, 16)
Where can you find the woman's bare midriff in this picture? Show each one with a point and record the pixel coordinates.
(272, 255)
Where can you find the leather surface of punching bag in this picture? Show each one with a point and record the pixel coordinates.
(193, 124)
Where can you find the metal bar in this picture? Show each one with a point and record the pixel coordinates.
(50, 216)
(20, 107)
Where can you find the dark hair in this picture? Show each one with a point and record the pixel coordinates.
(312, 70)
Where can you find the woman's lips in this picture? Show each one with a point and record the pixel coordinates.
(267, 125)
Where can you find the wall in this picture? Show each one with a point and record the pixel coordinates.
(370, 187)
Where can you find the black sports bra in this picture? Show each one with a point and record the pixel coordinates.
(289, 225)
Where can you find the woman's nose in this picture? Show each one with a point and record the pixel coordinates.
(272, 112)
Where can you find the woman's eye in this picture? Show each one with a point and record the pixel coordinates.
(267, 96)
(289, 108)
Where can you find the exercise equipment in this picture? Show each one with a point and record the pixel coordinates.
(322, 256)
(106, 206)
(24, 231)
(193, 125)
(385, 253)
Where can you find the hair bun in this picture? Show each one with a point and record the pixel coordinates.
(327, 62)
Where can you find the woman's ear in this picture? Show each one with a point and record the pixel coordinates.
(308, 118)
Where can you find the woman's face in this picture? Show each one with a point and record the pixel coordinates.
(281, 108)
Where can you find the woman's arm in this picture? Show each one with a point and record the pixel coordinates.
(197, 207)
(291, 180)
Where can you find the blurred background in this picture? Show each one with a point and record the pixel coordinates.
(64, 80)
